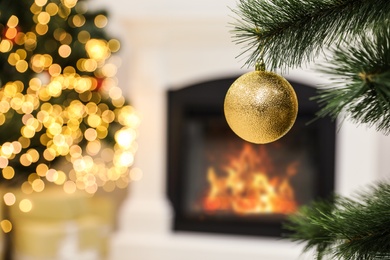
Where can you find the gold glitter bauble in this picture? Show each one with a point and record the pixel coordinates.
(261, 106)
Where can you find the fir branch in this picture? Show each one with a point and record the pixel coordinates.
(346, 228)
(291, 32)
(361, 84)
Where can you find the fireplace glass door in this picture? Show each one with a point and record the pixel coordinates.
(218, 182)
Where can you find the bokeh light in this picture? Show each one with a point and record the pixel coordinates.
(6, 225)
(9, 199)
(25, 205)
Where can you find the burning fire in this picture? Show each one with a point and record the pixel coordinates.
(246, 186)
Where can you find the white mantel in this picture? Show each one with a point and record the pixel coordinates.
(169, 44)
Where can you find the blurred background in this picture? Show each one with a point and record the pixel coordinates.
(163, 189)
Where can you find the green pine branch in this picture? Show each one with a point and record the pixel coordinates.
(292, 32)
(346, 228)
(361, 82)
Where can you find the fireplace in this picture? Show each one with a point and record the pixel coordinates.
(219, 183)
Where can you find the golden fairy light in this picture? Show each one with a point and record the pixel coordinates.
(25, 205)
(40, 2)
(8, 172)
(100, 21)
(97, 49)
(43, 18)
(13, 21)
(70, 3)
(6, 225)
(64, 50)
(52, 8)
(9, 199)
(5, 45)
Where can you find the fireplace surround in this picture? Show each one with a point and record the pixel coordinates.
(219, 183)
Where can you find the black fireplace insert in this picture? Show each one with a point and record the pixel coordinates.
(219, 183)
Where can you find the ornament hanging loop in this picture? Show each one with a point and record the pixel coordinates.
(260, 65)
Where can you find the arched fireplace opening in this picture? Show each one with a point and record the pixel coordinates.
(219, 183)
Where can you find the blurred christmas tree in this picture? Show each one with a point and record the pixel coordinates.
(290, 33)
(63, 119)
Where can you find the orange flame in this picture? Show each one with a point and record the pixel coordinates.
(246, 188)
